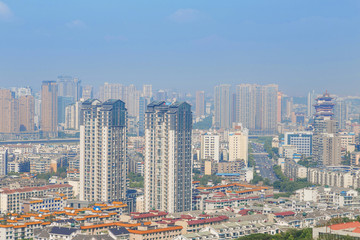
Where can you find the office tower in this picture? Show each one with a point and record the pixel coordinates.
(341, 113)
(326, 140)
(147, 91)
(69, 87)
(72, 116)
(143, 102)
(222, 118)
(9, 112)
(302, 141)
(132, 96)
(37, 117)
(200, 103)
(3, 162)
(238, 144)
(103, 151)
(257, 107)
(286, 108)
(310, 103)
(87, 92)
(210, 147)
(27, 113)
(63, 102)
(49, 108)
(168, 164)
(233, 108)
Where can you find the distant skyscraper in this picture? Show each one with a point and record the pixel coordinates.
(27, 113)
(161, 95)
(72, 116)
(341, 110)
(103, 151)
(147, 91)
(49, 108)
(278, 114)
(69, 87)
(9, 112)
(257, 107)
(310, 103)
(63, 102)
(168, 164)
(222, 102)
(87, 92)
(112, 91)
(200, 103)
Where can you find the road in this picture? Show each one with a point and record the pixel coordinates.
(263, 163)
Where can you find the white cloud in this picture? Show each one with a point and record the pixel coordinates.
(5, 12)
(185, 15)
(76, 24)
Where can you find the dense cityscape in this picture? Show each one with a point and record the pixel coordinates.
(122, 162)
(179, 120)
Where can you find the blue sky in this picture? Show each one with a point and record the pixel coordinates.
(298, 44)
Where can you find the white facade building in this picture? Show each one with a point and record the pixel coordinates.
(238, 144)
(168, 163)
(210, 147)
(103, 151)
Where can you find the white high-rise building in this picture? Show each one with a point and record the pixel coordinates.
(72, 116)
(210, 147)
(168, 163)
(222, 118)
(147, 91)
(3, 162)
(256, 107)
(103, 151)
(238, 144)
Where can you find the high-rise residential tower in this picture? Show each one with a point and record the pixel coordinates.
(87, 92)
(222, 103)
(311, 103)
(257, 107)
(103, 151)
(49, 108)
(200, 103)
(9, 112)
(69, 87)
(168, 163)
(27, 113)
(238, 144)
(341, 110)
(147, 91)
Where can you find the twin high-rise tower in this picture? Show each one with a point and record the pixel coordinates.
(103, 151)
(168, 162)
(168, 165)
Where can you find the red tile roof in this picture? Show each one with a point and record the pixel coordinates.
(342, 226)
